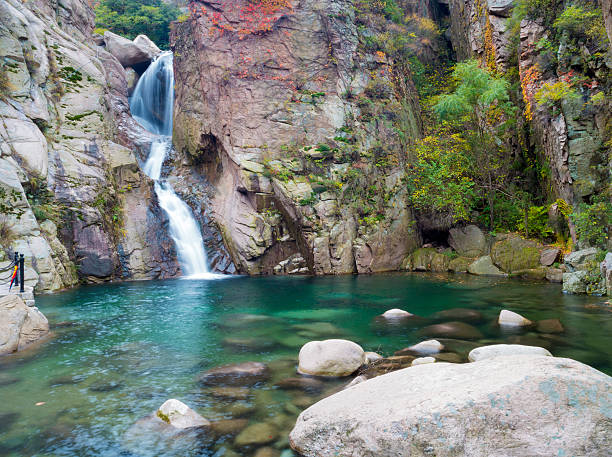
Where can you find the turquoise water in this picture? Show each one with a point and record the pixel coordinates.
(120, 350)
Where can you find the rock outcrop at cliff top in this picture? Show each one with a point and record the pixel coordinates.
(276, 112)
(511, 406)
(68, 170)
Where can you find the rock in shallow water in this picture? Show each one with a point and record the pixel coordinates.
(505, 406)
(500, 350)
(423, 361)
(179, 415)
(396, 313)
(330, 358)
(424, 347)
(459, 330)
(256, 435)
(512, 319)
(241, 374)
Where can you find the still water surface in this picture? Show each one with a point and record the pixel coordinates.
(121, 350)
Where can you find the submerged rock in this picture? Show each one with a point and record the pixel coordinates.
(256, 435)
(500, 350)
(179, 415)
(241, 374)
(330, 358)
(459, 314)
(228, 427)
(512, 319)
(550, 326)
(465, 409)
(459, 330)
(301, 383)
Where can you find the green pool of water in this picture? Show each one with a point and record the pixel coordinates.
(121, 350)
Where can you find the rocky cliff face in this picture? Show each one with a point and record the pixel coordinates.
(299, 130)
(73, 197)
(573, 137)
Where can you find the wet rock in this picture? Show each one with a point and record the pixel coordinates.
(459, 264)
(539, 396)
(549, 256)
(234, 393)
(501, 350)
(248, 344)
(291, 341)
(330, 358)
(459, 314)
(319, 328)
(550, 326)
(459, 330)
(301, 383)
(575, 282)
(396, 313)
(424, 347)
(450, 357)
(512, 319)
(7, 420)
(66, 380)
(514, 253)
(267, 452)
(7, 380)
(530, 340)
(239, 409)
(423, 361)
(256, 435)
(372, 357)
(554, 275)
(246, 320)
(20, 325)
(241, 374)
(483, 266)
(179, 415)
(229, 427)
(535, 274)
(468, 241)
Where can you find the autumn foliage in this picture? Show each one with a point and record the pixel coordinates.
(255, 16)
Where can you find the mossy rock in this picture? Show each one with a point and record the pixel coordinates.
(515, 254)
(439, 262)
(422, 258)
(459, 264)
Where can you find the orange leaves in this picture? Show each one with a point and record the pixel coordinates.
(530, 82)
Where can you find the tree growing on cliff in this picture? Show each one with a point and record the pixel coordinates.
(479, 104)
(131, 18)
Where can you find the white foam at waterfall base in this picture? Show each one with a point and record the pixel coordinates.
(151, 106)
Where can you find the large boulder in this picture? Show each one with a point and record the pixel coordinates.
(145, 43)
(504, 406)
(468, 241)
(577, 260)
(483, 266)
(20, 325)
(499, 350)
(514, 254)
(127, 52)
(330, 358)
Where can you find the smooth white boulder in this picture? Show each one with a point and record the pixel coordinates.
(505, 406)
(500, 350)
(127, 52)
(512, 319)
(179, 415)
(330, 358)
(427, 347)
(396, 313)
(423, 361)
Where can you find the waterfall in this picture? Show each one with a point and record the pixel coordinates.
(151, 105)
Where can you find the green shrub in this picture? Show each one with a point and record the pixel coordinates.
(581, 22)
(593, 223)
(551, 95)
(536, 225)
(130, 18)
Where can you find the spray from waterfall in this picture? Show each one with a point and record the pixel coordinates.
(151, 105)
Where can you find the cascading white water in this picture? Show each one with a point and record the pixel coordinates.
(151, 106)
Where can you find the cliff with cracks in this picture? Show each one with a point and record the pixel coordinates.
(73, 198)
(301, 130)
